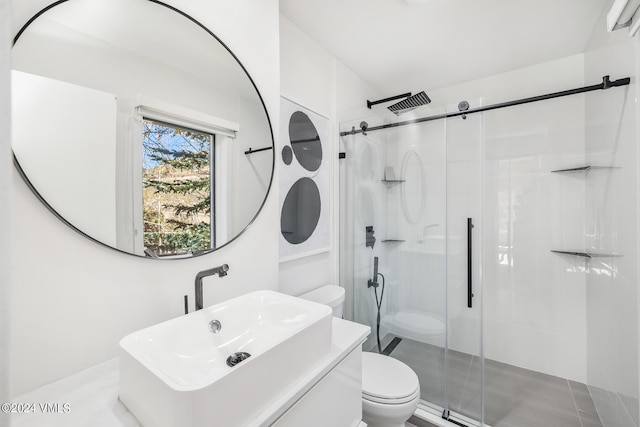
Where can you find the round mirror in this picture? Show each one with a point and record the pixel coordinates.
(138, 127)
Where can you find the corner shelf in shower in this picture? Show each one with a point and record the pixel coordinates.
(392, 181)
(586, 168)
(393, 241)
(587, 254)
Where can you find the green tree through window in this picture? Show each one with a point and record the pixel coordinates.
(176, 175)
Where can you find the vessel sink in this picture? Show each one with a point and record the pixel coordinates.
(222, 365)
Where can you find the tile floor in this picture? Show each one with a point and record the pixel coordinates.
(514, 397)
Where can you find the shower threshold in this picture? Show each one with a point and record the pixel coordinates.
(513, 396)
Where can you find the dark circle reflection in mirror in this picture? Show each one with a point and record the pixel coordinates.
(305, 141)
(300, 211)
(287, 155)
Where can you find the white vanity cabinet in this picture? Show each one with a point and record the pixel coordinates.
(336, 400)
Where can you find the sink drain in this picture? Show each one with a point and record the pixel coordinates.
(236, 358)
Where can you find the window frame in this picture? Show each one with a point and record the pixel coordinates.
(145, 108)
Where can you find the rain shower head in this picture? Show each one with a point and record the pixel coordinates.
(411, 103)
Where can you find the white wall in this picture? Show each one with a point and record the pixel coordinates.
(311, 77)
(5, 201)
(76, 178)
(612, 227)
(307, 78)
(73, 300)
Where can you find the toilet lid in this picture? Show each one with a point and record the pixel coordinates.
(387, 380)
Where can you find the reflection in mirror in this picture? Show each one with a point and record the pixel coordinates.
(131, 122)
(176, 179)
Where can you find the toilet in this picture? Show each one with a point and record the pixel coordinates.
(390, 388)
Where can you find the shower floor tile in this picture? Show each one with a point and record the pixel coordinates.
(513, 397)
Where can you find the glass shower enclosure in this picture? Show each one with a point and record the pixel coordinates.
(458, 249)
(405, 215)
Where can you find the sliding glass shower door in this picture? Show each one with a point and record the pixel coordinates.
(465, 362)
(408, 193)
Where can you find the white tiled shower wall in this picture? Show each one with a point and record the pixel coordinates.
(534, 300)
(611, 226)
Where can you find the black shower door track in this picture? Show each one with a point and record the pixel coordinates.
(606, 84)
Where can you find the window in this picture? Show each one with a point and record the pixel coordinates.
(178, 201)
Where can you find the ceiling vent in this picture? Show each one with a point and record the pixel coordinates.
(624, 13)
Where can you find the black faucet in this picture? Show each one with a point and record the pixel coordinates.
(221, 271)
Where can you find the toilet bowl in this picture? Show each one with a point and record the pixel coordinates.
(390, 391)
(390, 388)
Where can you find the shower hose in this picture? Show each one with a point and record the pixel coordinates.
(379, 305)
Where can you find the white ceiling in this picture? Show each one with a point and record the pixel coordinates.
(399, 48)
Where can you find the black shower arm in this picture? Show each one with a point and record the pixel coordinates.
(392, 98)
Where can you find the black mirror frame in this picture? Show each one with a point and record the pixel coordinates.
(195, 254)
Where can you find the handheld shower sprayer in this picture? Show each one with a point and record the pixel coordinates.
(375, 268)
(374, 282)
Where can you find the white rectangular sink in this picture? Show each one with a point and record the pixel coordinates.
(176, 374)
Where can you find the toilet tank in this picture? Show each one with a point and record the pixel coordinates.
(330, 295)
